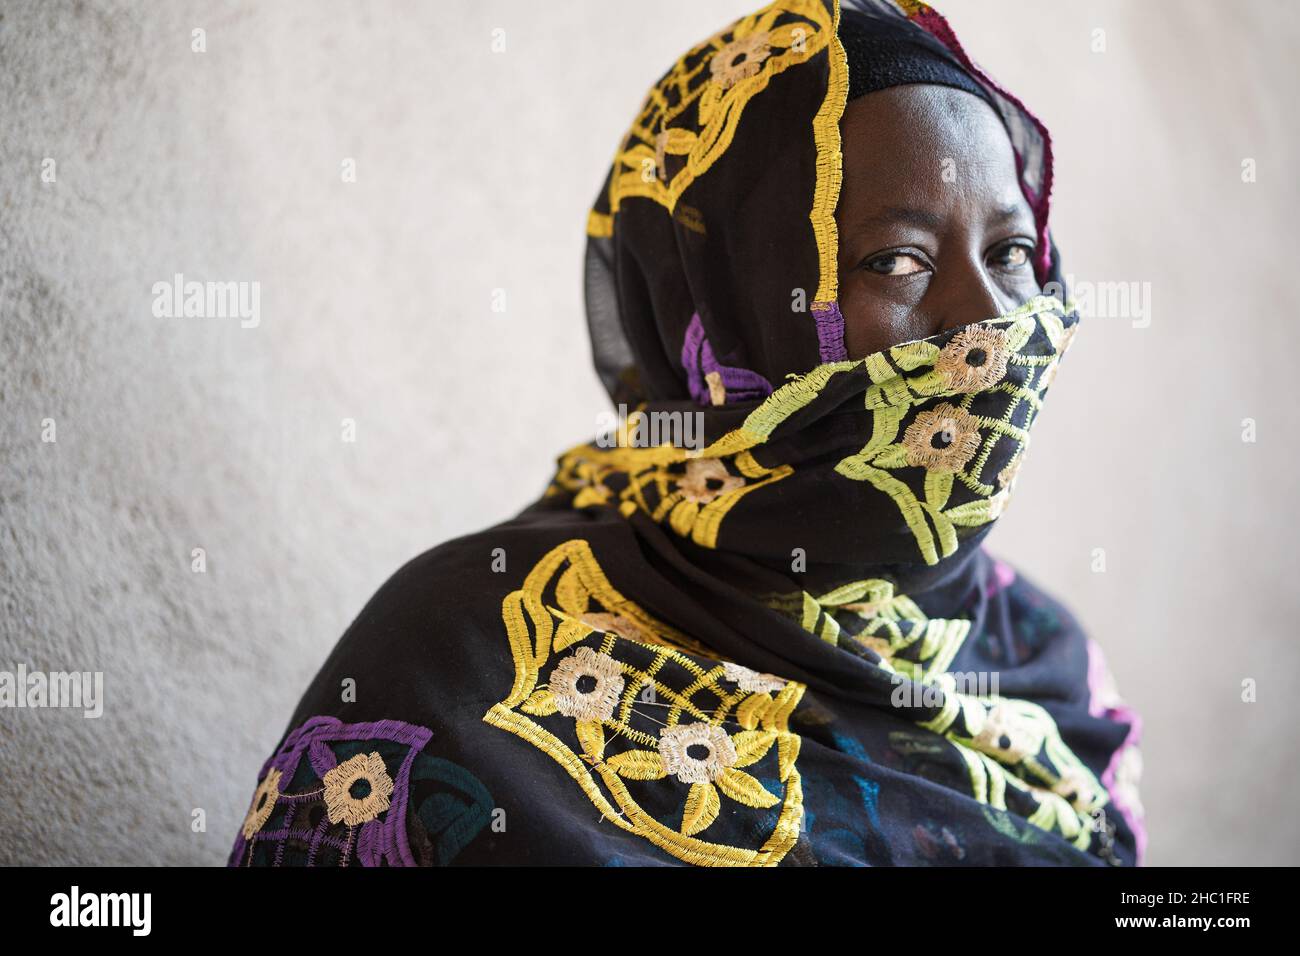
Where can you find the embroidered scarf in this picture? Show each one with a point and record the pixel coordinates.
(780, 642)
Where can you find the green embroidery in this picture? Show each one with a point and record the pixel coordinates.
(954, 442)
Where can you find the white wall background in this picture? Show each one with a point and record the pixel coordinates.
(475, 171)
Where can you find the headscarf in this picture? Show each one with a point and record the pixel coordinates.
(755, 625)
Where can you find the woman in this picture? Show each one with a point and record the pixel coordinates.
(759, 627)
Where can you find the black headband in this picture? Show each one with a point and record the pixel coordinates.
(883, 53)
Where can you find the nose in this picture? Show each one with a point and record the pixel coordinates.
(968, 295)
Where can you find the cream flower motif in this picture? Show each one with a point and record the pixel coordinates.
(1007, 736)
(586, 685)
(615, 624)
(1075, 787)
(880, 645)
(1007, 476)
(696, 753)
(264, 798)
(661, 154)
(751, 680)
(999, 503)
(944, 439)
(1049, 374)
(706, 479)
(740, 59)
(357, 790)
(974, 359)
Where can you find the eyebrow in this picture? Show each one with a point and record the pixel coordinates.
(909, 215)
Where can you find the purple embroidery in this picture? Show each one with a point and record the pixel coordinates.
(380, 840)
(698, 359)
(830, 331)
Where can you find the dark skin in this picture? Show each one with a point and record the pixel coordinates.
(918, 254)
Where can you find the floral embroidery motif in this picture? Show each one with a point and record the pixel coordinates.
(747, 679)
(602, 672)
(689, 118)
(677, 734)
(335, 794)
(954, 441)
(357, 790)
(268, 791)
(974, 359)
(1010, 744)
(692, 495)
(1006, 736)
(945, 456)
(942, 439)
(1007, 476)
(740, 59)
(1005, 743)
(869, 615)
(696, 753)
(706, 479)
(615, 623)
(1075, 786)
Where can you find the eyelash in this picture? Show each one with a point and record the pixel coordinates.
(925, 261)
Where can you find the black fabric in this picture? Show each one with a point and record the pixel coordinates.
(755, 622)
(883, 52)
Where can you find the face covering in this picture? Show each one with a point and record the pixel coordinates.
(903, 458)
(754, 623)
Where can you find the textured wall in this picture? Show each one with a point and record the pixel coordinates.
(474, 170)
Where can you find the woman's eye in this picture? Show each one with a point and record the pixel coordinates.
(895, 264)
(1014, 256)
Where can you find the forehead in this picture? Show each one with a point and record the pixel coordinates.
(923, 142)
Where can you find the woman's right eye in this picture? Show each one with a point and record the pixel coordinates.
(895, 264)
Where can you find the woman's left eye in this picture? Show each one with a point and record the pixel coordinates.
(1012, 256)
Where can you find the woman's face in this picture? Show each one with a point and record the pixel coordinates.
(934, 230)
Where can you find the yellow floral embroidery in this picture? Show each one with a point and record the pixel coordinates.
(1007, 742)
(706, 479)
(740, 59)
(679, 719)
(1008, 737)
(953, 443)
(693, 112)
(870, 614)
(691, 494)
